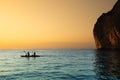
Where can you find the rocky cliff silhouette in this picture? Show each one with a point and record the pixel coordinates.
(107, 29)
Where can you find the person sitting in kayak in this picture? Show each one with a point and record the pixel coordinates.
(34, 54)
(28, 54)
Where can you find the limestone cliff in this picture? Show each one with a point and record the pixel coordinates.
(107, 29)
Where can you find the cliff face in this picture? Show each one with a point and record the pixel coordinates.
(107, 29)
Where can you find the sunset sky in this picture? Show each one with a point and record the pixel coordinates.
(49, 23)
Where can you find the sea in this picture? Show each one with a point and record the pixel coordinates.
(60, 64)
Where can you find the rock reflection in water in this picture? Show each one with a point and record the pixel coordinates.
(107, 65)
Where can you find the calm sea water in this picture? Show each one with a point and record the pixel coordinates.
(60, 65)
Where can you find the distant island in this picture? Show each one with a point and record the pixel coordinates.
(107, 29)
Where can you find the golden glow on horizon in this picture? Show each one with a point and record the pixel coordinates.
(49, 23)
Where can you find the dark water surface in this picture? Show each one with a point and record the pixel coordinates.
(60, 65)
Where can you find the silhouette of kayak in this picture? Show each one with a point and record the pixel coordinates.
(30, 56)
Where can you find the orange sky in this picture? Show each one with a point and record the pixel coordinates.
(49, 23)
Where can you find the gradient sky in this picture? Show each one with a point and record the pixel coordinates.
(49, 23)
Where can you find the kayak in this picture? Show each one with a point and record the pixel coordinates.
(30, 56)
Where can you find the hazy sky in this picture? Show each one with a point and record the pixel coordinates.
(50, 23)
